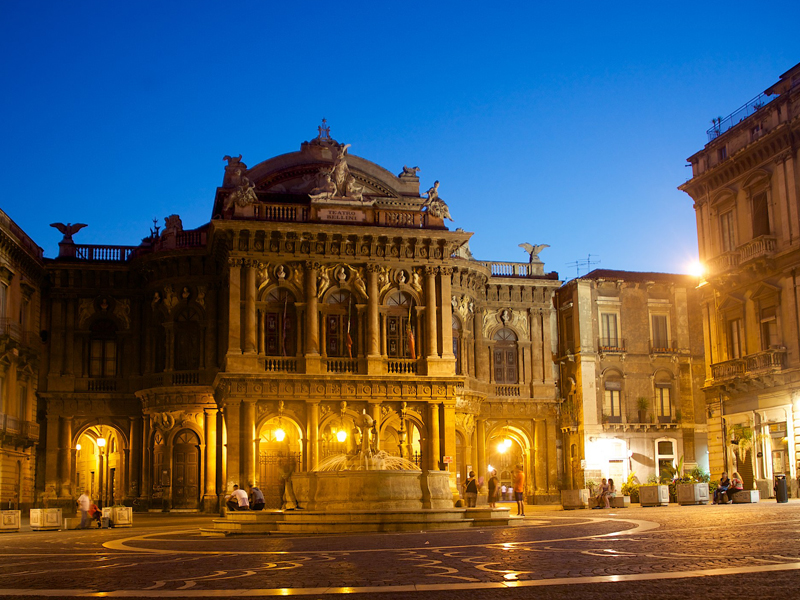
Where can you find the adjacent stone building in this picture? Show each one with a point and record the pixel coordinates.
(21, 276)
(631, 371)
(323, 287)
(745, 190)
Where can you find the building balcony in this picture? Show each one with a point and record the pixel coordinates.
(11, 328)
(663, 347)
(17, 431)
(508, 390)
(96, 384)
(341, 365)
(760, 247)
(727, 261)
(402, 366)
(280, 365)
(611, 345)
(768, 361)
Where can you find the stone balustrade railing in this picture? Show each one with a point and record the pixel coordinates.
(280, 365)
(402, 366)
(508, 269)
(752, 364)
(724, 262)
(508, 390)
(764, 245)
(341, 365)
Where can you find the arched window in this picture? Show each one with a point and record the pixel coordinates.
(457, 344)
(188, 340)
(505, 356)
(399, 318)
(103, 349)
(341, 325)
(280, 323)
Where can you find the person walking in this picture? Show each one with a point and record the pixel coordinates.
(519, 490)
(494, 489)
(84, 501)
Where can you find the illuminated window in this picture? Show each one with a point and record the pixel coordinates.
(665, 457)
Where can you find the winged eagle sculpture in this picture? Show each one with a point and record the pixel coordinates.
(534, 250)
(68, 230)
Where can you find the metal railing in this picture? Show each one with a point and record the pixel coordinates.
(662, 347)
(401, 366)
(11, 328)
(721, 125)
(611, 345)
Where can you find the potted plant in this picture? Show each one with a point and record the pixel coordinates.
(655, 493)
(642, 404)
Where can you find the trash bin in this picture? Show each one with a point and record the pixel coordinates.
(781, 491)
(106, 522)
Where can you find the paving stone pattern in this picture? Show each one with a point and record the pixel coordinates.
(650, 551)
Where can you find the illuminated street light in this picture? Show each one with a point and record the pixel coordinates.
(341, 435)
(280, 434)
(77, 446)
(101, 442)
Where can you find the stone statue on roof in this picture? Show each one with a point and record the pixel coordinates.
(435, 206)
(533, 250)
(324, 131)
(243, 195)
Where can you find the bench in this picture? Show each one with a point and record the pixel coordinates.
(747, 497)
(620, 502)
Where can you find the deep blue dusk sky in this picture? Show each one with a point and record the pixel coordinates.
(562, 125)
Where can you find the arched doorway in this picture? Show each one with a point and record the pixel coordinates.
(280, 454)
(504, 451)
(186, 471)
(99, 464)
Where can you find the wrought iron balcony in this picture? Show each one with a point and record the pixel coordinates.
(662, 347)
(611, 345)
(759, 363)
(721, 125)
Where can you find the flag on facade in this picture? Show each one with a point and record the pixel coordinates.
(285, 323)
(412, 352)
(349, 340)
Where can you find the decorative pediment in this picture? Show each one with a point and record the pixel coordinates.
(731, 302)
(766, 289)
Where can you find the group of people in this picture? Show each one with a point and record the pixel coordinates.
(727, 488)
(606, 491)
(241, 500)
(494, 489)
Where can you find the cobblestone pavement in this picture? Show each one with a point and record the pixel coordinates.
(668, 552)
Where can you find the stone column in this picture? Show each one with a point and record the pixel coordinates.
(250, 308)
(312, 317)
(434, 450)
(249, 443)
(449, 431)
(481, 350)
(51, 454)
(313, 435)
(446, 298)
(547, 352)
(135, 461)
(540, 453)
(480, 433)
(210, 462)
(232, 410)
(550, 457)
(373, 322)
(376, 415)
(147, 459)
(63, 458)
(430, 311)
(260, 328)
(234, 307)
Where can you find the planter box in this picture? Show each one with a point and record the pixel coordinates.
(654, 495)
(572, 499)
(9, 520)
(45, 519)
(746, 497)
(119, 516)
(692, 493)
(71, 523)
(620, 502)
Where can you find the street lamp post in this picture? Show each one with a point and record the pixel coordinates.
(101, 443)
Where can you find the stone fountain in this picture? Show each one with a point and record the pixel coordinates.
(368, 491)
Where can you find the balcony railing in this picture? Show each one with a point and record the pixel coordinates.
(764, 245)
(280, 365)
(507, 390)
(752, 364)
(402, 366)
(10, 328)
(768, 360)
(611, 345)
(341, 365)
(18, 430)
(509, 269)
(280, 212)
(106, 253)
(724, 262)
(737, 116)
(662, 347)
